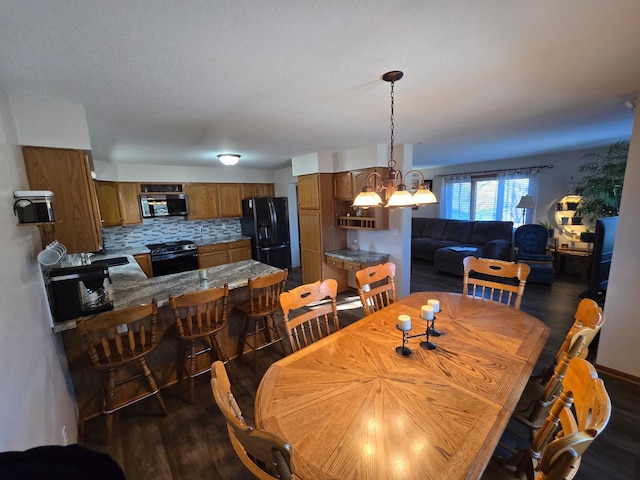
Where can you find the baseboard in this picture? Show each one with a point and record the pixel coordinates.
(615, 373)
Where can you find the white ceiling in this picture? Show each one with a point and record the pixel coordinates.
(178, 81)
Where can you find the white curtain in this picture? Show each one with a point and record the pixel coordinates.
(512, 185)
(455, 197)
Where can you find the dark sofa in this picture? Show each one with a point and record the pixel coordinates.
(432, 239)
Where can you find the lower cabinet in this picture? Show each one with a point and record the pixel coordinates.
(144, 260)
(222, 253)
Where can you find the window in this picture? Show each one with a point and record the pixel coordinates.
(488, 196)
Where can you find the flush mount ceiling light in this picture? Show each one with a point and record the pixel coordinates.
(229, 158)
(396, 191)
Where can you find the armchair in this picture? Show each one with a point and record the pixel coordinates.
(530, 242)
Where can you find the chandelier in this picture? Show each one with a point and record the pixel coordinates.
(397, 195)
(229, 158)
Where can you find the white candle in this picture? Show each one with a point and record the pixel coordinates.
(426, 312)
(404, 322)
(435, 304)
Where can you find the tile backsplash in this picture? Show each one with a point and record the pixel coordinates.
(154, 230)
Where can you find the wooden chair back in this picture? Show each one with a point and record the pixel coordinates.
(319, 317)
(120, 336)
(376, 286)
(590, 315)
(583, 411)
(250, 444)
(264, 293)
(200, 313)
(495, 280)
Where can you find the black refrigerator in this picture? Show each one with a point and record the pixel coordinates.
(266, 221)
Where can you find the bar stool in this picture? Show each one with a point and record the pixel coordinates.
(117, 343)
(199, 317)
(259, 311)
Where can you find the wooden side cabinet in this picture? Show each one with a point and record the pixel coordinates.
(318, 231)
(66, 173)
(251, 190)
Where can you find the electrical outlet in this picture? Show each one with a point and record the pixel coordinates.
(65, 439)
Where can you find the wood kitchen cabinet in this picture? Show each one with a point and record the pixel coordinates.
(67, 174)
(203, 200)
(347, 185)
(251, 190)
(119, 203)
(144, 260)
(222, 253)
(240, 250)
(229, 200)
(318, 232)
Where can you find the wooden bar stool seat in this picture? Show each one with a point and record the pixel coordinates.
(117, 343)
(259, 312)
(199, 317)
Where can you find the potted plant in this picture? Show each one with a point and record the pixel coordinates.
(601, 187)
(548, 226)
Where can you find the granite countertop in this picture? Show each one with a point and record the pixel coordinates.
(361, 256)
(213, 240)
(130, 286)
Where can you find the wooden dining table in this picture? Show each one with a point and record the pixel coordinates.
(353, 408)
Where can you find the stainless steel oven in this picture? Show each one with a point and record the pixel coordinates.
(173, 257)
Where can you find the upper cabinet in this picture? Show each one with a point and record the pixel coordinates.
(229, 200)
(66, 173)
(346, 186)
(203, 200)
(251, 190)
(119, 203)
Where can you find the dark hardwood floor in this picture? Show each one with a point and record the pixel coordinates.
(192, 442)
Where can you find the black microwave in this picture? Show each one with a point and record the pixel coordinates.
(163, 204)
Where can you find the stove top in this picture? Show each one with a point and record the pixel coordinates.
(176, 246)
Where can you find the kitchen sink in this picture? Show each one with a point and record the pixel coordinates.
(115, 261)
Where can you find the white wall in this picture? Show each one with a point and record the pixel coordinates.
(37, 397)
(129, 172)
(620, 335)
(50, 124)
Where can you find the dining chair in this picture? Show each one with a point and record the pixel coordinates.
(588, 314)
(264, 454)
(259, 311)
(577, 417)
(495, 280)
(543, 388)
(199, 317)
(376, 286)
(118, 342)
(317, 313)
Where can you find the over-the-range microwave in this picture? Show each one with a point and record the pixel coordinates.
(163, 204)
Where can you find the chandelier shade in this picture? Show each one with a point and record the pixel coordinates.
(397, 195)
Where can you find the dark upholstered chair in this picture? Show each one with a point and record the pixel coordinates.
(531, 248)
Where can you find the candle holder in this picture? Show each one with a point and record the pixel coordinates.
(403, 350)
(427, 345)
(431, 329)
(406, 351)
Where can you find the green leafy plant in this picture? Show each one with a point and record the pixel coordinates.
(600, 188)
(545, 224)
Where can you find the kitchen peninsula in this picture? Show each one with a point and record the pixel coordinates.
(129, 287)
